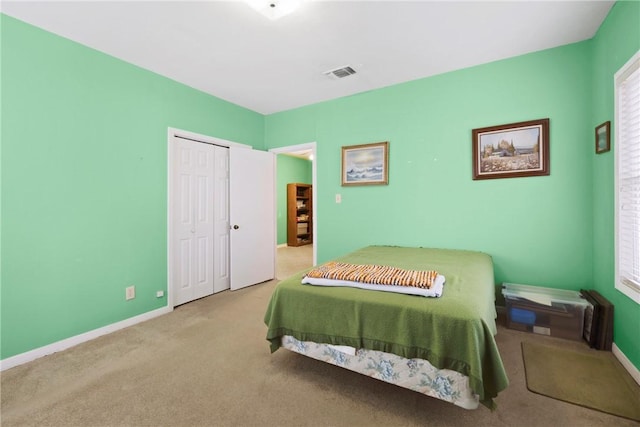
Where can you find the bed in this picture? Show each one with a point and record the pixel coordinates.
(443, 347)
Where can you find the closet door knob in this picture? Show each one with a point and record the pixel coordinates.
(235, 227)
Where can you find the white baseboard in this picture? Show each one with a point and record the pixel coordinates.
(282, 245)
(633, 371)
(55, 347)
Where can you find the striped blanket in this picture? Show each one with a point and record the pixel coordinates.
(374, 274)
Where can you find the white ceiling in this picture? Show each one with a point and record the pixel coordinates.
(227, 49)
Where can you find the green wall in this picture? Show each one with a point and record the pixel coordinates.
(554, 231)
(617, 40)
(538, 229)
(84, 183)
(289, 169)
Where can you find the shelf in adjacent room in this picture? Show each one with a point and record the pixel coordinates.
(299, 214)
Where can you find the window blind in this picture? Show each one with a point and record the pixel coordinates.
(628, 176)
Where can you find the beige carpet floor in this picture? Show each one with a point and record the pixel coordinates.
(208, 364)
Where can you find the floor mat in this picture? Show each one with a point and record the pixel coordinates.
(590, 378)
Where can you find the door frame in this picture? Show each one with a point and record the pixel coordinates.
(314, 194)
(205, 139)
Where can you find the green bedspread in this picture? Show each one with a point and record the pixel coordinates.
(455, 331)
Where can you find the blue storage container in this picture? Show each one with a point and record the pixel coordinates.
(526, 317)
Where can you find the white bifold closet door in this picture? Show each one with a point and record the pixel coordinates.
(201, 220)
(222, 216)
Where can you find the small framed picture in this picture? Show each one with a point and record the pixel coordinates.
(365, 164)
(603, 137)
(511, 150)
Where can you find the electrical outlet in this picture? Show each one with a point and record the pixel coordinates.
(130, 292)
(159, 294)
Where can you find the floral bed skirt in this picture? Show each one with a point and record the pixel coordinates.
(415, 374)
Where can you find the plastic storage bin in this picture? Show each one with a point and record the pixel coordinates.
(545, 311)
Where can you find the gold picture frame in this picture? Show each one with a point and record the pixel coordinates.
(365, 164)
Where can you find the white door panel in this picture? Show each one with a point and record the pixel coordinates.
(252, 214)
(221, 220)
(193, 229)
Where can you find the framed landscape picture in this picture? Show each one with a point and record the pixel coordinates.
(603, 137)
(365, 164)
(511, 150)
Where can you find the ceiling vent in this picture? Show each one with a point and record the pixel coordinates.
(340, 73)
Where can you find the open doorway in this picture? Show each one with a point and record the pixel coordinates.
(307, 151)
